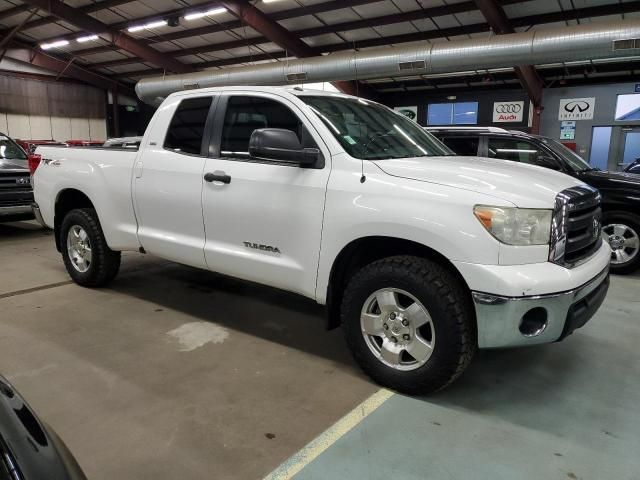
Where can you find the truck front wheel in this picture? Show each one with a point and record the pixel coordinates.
(88, 259)
(409, 323)
(622, 230)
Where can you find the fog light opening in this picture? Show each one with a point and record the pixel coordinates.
(534, 322)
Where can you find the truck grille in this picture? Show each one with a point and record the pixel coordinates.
(15, 180)
(577, 226)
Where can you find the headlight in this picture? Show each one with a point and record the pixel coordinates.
(516, 226)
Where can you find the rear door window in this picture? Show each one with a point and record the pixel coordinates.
(514, 149)
(466, 146)
(186, 130)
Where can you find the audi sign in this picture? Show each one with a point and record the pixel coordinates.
(504, 112)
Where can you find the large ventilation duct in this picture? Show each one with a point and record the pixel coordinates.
(566, 44)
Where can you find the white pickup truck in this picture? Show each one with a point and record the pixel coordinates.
(422, 256)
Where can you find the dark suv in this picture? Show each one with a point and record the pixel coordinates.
(16, 194)
(620, 191)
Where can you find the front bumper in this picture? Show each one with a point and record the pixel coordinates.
(529, 320)
(37, 214)
(15, 210)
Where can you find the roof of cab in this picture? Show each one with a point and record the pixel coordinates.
(297, 91)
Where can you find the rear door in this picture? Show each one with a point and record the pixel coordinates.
(265, 224)
(168, 181)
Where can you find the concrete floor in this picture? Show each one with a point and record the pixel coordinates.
(178, 373)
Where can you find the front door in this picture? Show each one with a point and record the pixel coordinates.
(263, 219)
(168, 182)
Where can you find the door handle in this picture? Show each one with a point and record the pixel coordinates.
(138, 169)
(217, 176)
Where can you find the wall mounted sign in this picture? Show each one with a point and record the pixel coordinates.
(576, 108)
(504, 112)
(568, 130)
(410, 112)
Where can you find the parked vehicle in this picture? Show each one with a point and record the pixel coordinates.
(29, 146)
(123, 142)
(422, 256)
(633, 167)
(29, 448)
(16, 195)
(620, 191)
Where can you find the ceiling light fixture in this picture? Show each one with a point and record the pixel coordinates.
(87, 38)
(59, 43)
(146, 26)
(197, 15)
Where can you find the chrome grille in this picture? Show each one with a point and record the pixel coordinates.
(11, 180)
(576, 231)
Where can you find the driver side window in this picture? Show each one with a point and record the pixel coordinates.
(245, 114)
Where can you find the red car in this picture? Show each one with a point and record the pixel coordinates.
(85, 143)
(30, 146)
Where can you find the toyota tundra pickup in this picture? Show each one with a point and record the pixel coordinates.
(420, 255)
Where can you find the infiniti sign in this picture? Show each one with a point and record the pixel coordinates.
(576, 109)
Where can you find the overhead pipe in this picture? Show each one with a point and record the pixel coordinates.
(552, 45)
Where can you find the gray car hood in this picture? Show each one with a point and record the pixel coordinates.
(13, 165)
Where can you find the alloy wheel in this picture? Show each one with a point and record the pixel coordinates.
(624, 243)
(79, 248)
(398, 329)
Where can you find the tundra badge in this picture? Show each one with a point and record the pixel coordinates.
(259, 246)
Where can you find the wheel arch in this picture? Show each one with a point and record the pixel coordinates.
(68, 199)
(365, 250)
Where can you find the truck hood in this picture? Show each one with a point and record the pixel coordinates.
(611, 180)
(525, 186)
(13, 165)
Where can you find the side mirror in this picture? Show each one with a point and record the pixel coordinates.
(547, 162)
(281, 145)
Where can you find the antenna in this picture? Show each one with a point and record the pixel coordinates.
(355, 65)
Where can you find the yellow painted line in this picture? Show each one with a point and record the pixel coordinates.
(314, 449)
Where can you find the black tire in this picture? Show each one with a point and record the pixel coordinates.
(105, 262)
(447, 301)
(631, 221)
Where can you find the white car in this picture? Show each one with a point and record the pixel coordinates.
(420, 255)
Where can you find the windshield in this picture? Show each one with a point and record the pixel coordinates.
(370, 131)
(572, 159)
(9, 150)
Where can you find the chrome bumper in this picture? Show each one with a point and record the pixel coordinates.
(15, 210)
(520, 321)
(36, 213)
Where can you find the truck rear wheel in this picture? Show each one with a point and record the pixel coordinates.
(622, 230)
(409, 323)
(88, 259)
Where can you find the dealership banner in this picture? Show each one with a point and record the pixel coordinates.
(576, 108)
(508, 112)
(409, 112)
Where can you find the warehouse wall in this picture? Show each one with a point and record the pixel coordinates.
(604, 115)
(39, 109)
(485, 99)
